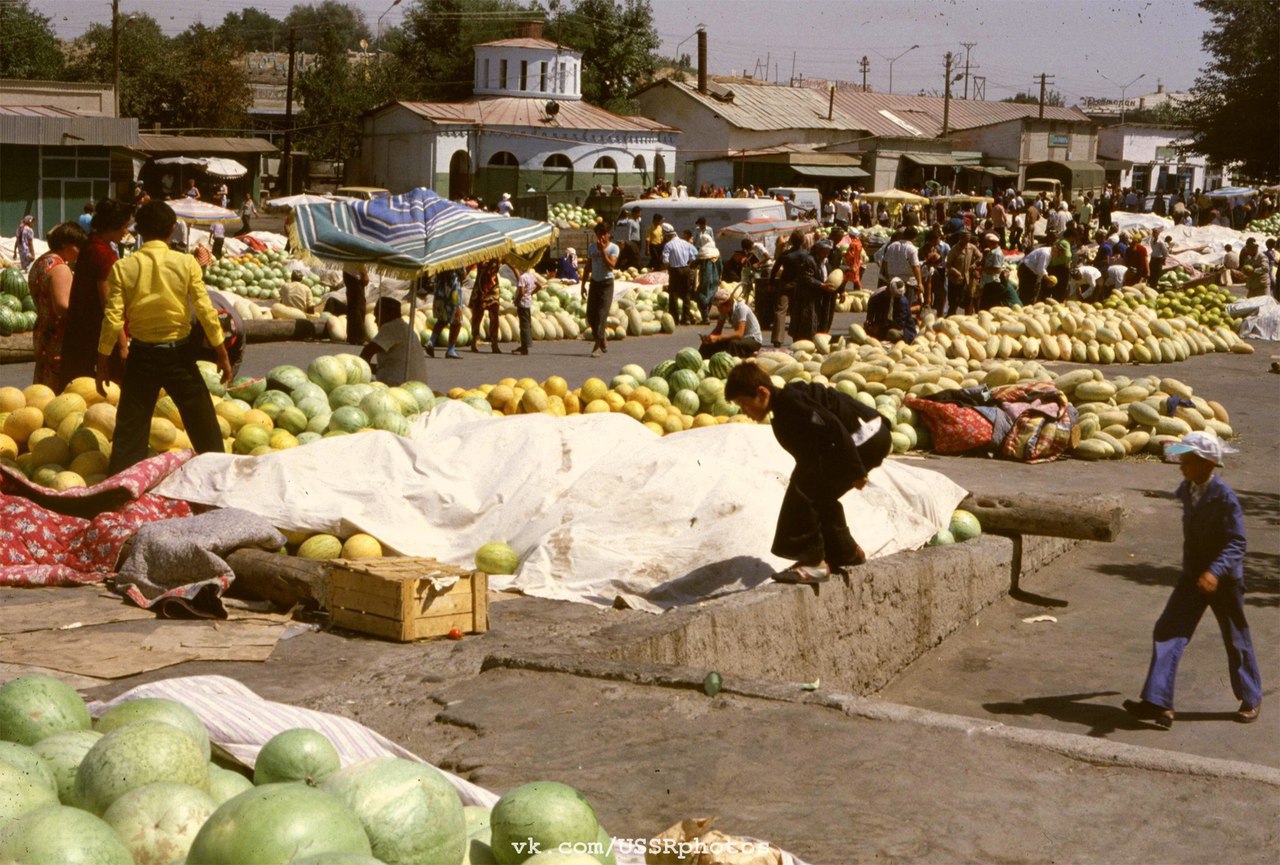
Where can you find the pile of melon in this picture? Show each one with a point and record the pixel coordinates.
(17, 309)
(138, 787)
(565, 215)
(1077, 332)
(256, 274)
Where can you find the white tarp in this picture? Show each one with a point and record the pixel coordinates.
(1148, 221)
(596, 506)
(240, 722)
(1263, 321)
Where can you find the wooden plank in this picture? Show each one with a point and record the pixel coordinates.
(282, 330)
(1085, 517)
(285, 581)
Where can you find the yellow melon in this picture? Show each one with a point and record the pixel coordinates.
(44, 474)
(633, 409)
(51, 450)
(224, 428)
(527, 383)
(258, 416)
(89, 463)
(163, 434)
(113, 393)
(23, 461)
(593, 389)
(596, 406)
(92, 480)
(644, 396)
(8, 447)
(654, 428)
(168, 409)
(85, 388)
(282, 440)
(22, 422)
(555, 386)
(67, 481)
(361, 546)
(38, 395)
(615, 400)
(500, 395)
(69, 425)
(89, 440)
(182, 442)
(11, 398)
(39, 436)
(232, 414)
(655, 414)
(572, 405)
(101, 417)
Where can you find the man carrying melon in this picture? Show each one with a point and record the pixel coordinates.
(836, 442)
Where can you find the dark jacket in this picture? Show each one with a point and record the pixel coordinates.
(1212, 532)
(796, 270)
(814, 423)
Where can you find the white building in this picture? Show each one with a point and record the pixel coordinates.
(527, 128)
(1147, 160)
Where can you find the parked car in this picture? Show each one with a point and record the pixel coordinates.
(364, 193)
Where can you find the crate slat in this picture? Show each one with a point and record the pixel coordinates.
(394, 598)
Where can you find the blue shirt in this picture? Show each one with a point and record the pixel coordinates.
(678, 252)
(600, 269)
(86, 220)
(1212, 531)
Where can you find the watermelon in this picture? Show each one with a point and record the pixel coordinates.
(273, 397)
(721, 364)
(156, 709)
(683, 379)
(658, 385)
(623, 379)
(133, 756)
(942, 538)
(276, 824)
(348, 419)
(663, 369)
(689, 358)
(392, 422)
(308, 390)
(285, 378)
(410, 811)
(547, 813)
(327, 372)
(379, 402)
(212, 377)
(635, 371)
(13, 282)
(296, 755)
(406, 402)
(247, 389)
(348, 395)
(320, 547)
(292, 420)
(710, 391)
(26, 759)
(158, 822)
(687, 401)
(225, 784)
(23, 791)
(964, 525)
(422, 394)
(312, 406)
(35, 707)
(9, 302)
(63, 753)
(8, 321)
(67, 836)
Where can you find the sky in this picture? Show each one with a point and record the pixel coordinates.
(1090, 48)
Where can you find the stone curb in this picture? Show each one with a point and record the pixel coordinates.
(1083, 748)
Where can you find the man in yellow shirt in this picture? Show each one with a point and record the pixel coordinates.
(155, 289)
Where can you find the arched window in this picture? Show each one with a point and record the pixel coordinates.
(505, 158)
(606, 163)
(559, 171)
(639, 164)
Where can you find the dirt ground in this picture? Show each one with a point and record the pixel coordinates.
(834, 785)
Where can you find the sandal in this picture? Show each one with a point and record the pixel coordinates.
(1248, 714)
(1145, 711)
(803, 575)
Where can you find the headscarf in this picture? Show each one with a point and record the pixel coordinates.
(897, 287)
(572, 255)
(29, 219)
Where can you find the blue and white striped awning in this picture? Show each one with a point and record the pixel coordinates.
(415, 233)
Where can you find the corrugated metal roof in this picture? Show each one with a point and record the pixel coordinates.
(154, 144)
(773, 107)
(517, 111)
(63, 130)
(524, 42)
(35, 111)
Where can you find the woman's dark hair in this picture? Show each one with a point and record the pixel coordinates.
(67, 234)
(155, 220)
(111, 214)
(746, 379)
(797, 239)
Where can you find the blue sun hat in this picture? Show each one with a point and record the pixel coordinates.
(1203, 445)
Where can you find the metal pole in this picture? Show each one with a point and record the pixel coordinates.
(968, 46)
(946, 98)
(115, 55)
(287, 169)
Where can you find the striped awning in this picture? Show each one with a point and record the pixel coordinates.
(415, 233)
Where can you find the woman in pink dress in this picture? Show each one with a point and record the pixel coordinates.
(50, 282)
(110, 224)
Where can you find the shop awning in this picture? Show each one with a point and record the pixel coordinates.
(835, 171)
(214, 166)
(1116, 164)
(995, 170)
(945, 159)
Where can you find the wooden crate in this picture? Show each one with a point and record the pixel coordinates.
(394, 598)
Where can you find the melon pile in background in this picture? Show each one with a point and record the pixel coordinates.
(17, 309)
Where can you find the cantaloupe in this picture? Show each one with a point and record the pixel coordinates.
(22, 422)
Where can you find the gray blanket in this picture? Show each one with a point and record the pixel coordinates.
(176, 566)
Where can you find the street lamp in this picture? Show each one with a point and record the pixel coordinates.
(893, 60)
(393, 5)
(117, 24)
(1123, 88)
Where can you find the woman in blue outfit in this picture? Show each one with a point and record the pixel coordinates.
(1213, 550)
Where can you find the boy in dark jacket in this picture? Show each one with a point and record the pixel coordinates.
(1213, 550)
(836, 442)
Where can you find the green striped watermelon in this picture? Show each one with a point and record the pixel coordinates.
(14, 282)
(721, 363)
(683, 379)
(689, 358)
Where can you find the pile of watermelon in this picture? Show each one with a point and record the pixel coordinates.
(17, 309)
(256, 274)
(139, 786)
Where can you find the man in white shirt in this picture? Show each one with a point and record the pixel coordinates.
(843, 209)
(1113, 282)
(1059, 219)
(1084, 281)
(1033, 268)
(901, 260)
(677, 256)
(743, 337)
(1159, 252)
(396, 349)
(504, 206)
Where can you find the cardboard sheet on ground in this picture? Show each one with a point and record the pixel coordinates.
(596, 506)
(240, 722)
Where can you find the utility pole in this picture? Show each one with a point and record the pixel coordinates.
(865, 66)
(1043, 78)
(115, 55)
(968, 46)
(287, 168)
(946, 98)
(980, 88)
(793, 69)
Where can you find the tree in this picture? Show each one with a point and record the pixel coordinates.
(1234, 111)
(318, 24)
(28, 46)
(254, 29)
(336, 91)
(619, 47)
(436, 55)
(149, 79)
(214, 89)
(1051, 97)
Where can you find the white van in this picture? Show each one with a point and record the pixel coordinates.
(800, 200)
(682, 213)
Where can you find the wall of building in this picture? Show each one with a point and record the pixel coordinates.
(19, 183)
(91, 100)
(1018, 143)
(489, 59)
(1156, 165)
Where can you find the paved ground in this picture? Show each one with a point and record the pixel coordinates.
(840, 781)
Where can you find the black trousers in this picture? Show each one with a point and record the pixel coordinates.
(679, 284)
(1062, 273)
(1157, 268)
(355, 309)
(824, 310)
(147, 369)
(1028, 284)
(599, 300)
(811, 525)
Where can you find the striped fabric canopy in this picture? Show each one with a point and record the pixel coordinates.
(416, 233)
(194, 210)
